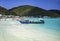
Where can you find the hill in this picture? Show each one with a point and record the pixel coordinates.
(4, 11)
(55, 11)
(27, 10)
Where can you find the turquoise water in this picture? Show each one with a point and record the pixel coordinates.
(12, 30)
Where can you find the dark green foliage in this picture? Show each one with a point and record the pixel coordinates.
(3, 11)
(55, 11)
(27, 10)
(6, 12)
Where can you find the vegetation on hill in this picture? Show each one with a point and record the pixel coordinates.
(4, 11)
(27, 10)
(55, 11)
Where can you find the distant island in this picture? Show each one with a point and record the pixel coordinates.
(27, 10)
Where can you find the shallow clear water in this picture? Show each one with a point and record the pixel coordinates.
(12, 30)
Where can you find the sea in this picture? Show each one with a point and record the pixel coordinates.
(13, 30)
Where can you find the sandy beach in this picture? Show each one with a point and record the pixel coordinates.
(15, 31)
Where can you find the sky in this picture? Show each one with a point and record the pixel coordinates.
(45, 4)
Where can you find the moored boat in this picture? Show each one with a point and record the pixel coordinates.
(32, 22)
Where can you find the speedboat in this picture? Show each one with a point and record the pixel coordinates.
(31, 22)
